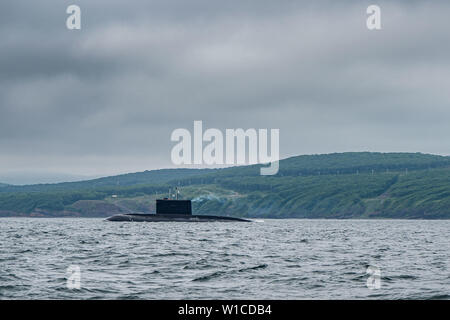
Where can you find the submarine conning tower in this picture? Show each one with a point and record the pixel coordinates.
(171, 206)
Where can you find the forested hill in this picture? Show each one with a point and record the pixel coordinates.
(340, 185)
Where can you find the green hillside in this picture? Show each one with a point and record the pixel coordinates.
(342, 185)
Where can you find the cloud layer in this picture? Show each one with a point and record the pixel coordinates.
(105, 99)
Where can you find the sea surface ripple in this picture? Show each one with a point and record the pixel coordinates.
(270, 259)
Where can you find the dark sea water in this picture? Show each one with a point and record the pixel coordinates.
(270, 259)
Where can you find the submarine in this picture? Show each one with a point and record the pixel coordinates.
(172, 210)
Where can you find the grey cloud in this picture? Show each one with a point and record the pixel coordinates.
(105, 99)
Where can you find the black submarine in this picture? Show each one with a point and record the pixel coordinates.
(172, 210)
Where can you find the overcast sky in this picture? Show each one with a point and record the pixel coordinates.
(104, 99)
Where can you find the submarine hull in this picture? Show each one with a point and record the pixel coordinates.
(172, 218)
